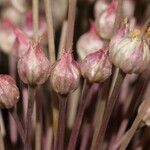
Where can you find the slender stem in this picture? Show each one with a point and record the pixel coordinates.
(108, 111)
(128, 136)
(28, 138)
(71, 22)
(101, 104)
(62, 39)
(38, 122)
(21, 131)
(61, 123)
(79, 117)
(2, 146)
(35, 7)
(51, 45)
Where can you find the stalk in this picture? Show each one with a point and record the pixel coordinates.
(51, 45)
(101, 105)
(28, 138)
(61, 123)
(2, 147)
(35, 5)
(71, 22)
(79, 117)
(130, 133)
(108, 111)
(21, 131)
(62, 39)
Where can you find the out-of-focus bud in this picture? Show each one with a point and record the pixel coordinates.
(59, 11)
(148, 35)
(145, 108)
(33, 66)
(65, 74)
(20, 5)
(22, 42)
(96, 67)
(128, 8)
(105, 21)
(89, 43)
(28, 25)
(99, 7)
(7, 36)
(131, 54)
(12, 14)
(9, 92)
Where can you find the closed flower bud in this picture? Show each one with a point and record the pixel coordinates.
(145, 108)
(105, 21)
(89, 43)
(33, 66)
(9, 93)
(131, 54)
(99, 7)
(96, 67)
(7, 36)
(65, 74)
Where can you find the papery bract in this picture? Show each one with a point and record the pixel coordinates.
(9, 92)
(89, 42)
(96, 67)
(33, 66)
(65, 74)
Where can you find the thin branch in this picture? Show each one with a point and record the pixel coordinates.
(51, 45)
(71, 22)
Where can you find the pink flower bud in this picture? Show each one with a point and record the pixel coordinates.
(65, 74)
(7, 36)
(105, 21)
(9, 92)
(28, 25)
(145, 108)
(89, 43)
(33, 66)
(96, 67)
(131, 54)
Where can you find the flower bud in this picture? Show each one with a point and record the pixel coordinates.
(145, 108)
(7, 36)
(105, 21)
(65, 74)
(89, 43)
(33, 66)
(9, 92)
(99, 7)
(131, 54)
(96, 67)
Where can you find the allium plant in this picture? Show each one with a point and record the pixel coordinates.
(69, 84)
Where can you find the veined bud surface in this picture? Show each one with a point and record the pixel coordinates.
(65, 74)
(145, 108)
(89, 42)
(105, 21)
(9, 92)
(33, 66)
(96, 67)
(131, 54)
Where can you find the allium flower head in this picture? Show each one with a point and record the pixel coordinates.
(89, 42)
(65, 74)
(96, 67)
(33, 66)
(9, 92)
